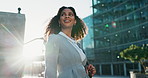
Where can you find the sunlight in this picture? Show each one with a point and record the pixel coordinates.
(32, 50)
(30, 77)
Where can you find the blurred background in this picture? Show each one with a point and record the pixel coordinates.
(113, 25)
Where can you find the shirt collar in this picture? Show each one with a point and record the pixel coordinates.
(63, 34)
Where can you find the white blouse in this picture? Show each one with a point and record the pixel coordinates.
(74, 43)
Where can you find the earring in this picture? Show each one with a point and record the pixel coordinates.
(74, 24)
(59, 25)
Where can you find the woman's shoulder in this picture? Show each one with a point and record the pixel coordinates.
(54, 37)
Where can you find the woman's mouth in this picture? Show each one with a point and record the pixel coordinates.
(67, 21)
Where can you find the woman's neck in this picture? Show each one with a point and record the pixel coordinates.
(67, 32)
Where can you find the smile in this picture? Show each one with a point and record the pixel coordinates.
(67, 21)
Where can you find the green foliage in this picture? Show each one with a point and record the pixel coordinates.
(135, 54)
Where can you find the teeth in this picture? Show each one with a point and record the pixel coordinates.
(66, 20)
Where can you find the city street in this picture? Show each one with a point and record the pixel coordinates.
(111, 34)
(92, 77)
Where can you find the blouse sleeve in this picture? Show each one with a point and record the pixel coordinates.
(51, 58)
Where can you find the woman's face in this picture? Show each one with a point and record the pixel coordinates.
(67, 18)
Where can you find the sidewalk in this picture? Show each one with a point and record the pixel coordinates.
(97, 76)
(92, 77)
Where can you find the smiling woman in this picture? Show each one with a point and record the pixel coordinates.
(36, 14)
(62, 53)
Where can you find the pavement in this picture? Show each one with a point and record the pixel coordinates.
(92, 77)
(97, 76)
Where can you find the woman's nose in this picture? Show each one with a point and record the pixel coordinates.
(67, 16)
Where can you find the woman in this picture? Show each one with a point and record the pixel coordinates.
(64, 58)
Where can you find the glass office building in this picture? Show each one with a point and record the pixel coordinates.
(88, 41)
(117, 24)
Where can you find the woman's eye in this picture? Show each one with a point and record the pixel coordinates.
(70, 14)
(67, 15)
(63, 15)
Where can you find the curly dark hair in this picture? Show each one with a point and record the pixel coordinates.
(78, 31)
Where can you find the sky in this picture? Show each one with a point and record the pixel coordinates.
(39, 12)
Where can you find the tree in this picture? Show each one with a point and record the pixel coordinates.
(136, 54)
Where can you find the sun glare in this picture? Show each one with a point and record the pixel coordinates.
(32, 50)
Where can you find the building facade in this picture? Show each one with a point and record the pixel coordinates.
(12, 29)
(88, 41)
(117, 24)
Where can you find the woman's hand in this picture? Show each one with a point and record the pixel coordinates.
(91, 69)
